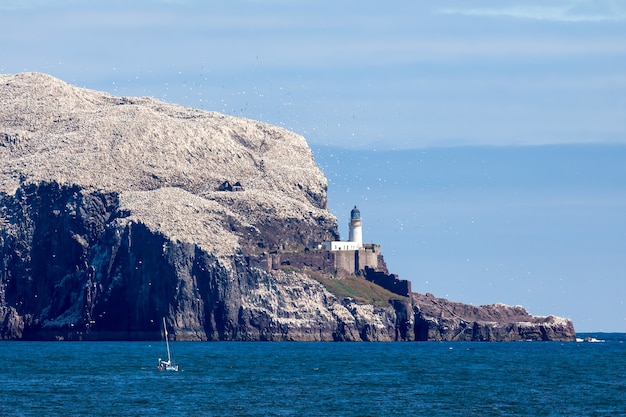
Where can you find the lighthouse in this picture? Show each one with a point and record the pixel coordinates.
(356, 230)
(355, 240)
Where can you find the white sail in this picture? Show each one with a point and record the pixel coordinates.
(166, 365)
(167, 343)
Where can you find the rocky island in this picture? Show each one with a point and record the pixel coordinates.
(118, 211)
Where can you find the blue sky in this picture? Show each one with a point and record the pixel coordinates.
(484, 142)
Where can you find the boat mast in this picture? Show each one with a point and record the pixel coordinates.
(167, 343)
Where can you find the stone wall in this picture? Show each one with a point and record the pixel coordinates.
(389, 282)
(367, 257)
(340, 263)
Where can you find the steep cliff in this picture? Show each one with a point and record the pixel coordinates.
(113, 214)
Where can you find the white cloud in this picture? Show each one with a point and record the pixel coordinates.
(567, 11)
(15, 5)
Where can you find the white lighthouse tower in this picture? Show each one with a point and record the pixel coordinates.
(356, 230)
(355, 240)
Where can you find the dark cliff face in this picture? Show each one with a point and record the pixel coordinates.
(73, 268)
(44, 247)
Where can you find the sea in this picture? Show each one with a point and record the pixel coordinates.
(584, 378)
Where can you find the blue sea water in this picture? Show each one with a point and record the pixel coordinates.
(315, 379)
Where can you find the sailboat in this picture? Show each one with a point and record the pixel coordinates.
(166, 365)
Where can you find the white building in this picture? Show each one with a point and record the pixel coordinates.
(355, 241)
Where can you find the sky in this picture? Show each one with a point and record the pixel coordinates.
(484, 142)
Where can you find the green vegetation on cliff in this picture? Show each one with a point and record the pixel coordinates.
(358, 288)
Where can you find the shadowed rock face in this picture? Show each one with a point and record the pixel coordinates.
(111, 218)
(75, 267)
